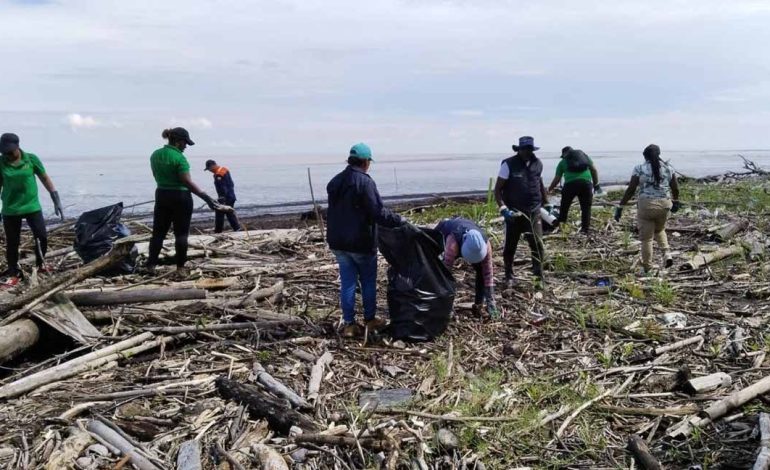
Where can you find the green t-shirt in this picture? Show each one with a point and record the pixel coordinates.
(167, 164)
(569, 176)
(19, 193)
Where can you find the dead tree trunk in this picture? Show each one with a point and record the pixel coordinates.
(17, 338)
(279, 417)
(701, 260)
(729, 231)
(135, 296)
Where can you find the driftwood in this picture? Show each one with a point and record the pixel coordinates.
(708, 383)
(277, 388)
(702, 260)
(189, 456)
(269, 458)
(316, 375)
(135, 296)
(325, 439)
(763, 459)
(641, 452)
(17, 338)
(730, 230)
(108, 435)
(42, 292)
(70, 448)
(123, 349)
(225, 326)
(260, 294)
(279, 417)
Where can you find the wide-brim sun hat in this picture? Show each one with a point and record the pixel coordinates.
(525, 141)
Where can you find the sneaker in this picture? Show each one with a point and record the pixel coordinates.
(376, 324)
(11, 278)
(508, 283)
(477, 309)
(45, 269)
(352, 330)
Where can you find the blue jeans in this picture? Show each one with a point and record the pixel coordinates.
(355, 267)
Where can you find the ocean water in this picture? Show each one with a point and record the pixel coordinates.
(86, 183)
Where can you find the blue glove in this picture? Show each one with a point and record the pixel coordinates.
(675, 207)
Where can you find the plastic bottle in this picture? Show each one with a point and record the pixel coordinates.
(547, 216)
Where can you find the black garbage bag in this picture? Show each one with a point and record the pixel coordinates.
(97, 230)
(421, 290)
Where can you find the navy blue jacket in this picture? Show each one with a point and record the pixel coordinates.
(224, 184)
(522, 190)
(355, 209)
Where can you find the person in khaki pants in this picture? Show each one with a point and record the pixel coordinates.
(658, 196)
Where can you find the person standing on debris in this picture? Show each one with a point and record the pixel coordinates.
(173, 202)
(520, 194)
(581, 180)
(19, 195)
(657, 185)
(355, 209)
(464, 239)
(225, 187)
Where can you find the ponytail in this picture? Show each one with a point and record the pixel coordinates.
(652, 155)
(166, 134)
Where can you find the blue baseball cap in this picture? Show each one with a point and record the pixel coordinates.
(361, 151)
(525, 141)
(474, 248)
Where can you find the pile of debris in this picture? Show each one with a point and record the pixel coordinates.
(242, 365)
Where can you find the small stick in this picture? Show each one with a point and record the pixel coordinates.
(316, 207)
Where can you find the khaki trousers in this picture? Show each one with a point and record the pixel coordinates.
(651, 216)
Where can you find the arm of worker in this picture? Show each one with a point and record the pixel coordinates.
(594, 175)
(555, 182)
(377, 210)
(451, 251)
(630, 190)
(674, 188)
(195, 189)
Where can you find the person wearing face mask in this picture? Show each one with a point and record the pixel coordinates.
(173, 199)
(19, 194)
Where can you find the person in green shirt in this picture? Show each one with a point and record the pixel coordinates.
(18, 192)
(173, 199)
(580, 180)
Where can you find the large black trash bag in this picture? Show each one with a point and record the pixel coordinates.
(95, 233)
(421, 290)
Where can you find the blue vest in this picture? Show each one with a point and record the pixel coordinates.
(458, 227)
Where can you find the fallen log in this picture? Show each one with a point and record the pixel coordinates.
(121, 350)
(17, 338)
(316, 375)
(763, 459)
(34, 296)
(279, 417)
(277, 388)
(703, 259)
(135, 296)
(641, 452)
(730, 230)
(376, 445)
(225, 326)
(260, 294)
(708, 383)
(135, 455)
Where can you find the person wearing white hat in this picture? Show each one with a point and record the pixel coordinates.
(464, 239)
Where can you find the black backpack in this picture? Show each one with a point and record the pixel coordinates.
(577, 161)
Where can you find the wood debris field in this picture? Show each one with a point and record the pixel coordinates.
(242, 365)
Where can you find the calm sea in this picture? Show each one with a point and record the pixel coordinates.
(92, 182)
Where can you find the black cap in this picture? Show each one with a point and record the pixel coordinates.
(9, 143)
(209, 164)
(180, 133)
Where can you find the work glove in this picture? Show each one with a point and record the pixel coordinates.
(618, 213)
(598, 189)
(675, 207)
(508, 214)
(222, 200)
(57, 208)
(213, 205)
(489, 299)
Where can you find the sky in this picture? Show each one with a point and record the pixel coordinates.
(281, 77)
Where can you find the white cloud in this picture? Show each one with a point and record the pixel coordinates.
(198, 123)
(78, 121)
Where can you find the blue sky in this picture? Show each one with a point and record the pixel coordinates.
(407, 76)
